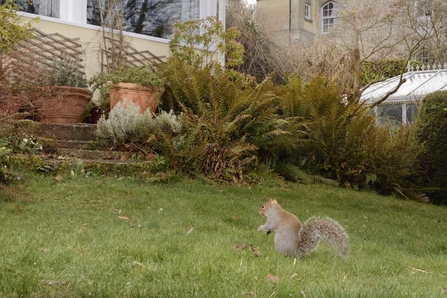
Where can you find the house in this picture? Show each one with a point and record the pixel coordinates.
(365, 23)
(298, 20)
(148, 25)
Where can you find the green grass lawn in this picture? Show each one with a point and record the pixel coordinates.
(107, 237)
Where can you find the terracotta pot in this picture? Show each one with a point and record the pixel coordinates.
(10, 105)
(65, 105)
(142, 96)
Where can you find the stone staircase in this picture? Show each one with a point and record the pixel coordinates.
(76, 144)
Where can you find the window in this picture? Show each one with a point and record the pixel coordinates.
(328, 16)
(307, 11)
(149, 17)
(49, 8)
(155, 18)
(424, 13)
(425, 55)
(412, 113)
(390, 114)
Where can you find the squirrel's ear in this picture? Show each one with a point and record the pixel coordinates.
(275, 201)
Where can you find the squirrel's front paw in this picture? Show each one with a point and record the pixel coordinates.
(260, 229)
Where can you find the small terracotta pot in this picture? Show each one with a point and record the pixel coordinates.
(144, 97)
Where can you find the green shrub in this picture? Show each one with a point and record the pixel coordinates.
(341, 141)
(430, 130)
(384, 69)
(210, 35)
(226, 116)
(390, 157)
(126, 125)
(15, 142)
(6, 177)
(123, 125)
(13, 28)
(226, 119)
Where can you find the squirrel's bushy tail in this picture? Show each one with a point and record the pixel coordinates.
(326, 228)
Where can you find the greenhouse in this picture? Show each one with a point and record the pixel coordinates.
(402, 107)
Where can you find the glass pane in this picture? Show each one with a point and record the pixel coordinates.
(412, 113)
(150, 17)
(49, 8)
(391, 114)
(325, 26)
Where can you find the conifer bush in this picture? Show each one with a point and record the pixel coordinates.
(430, 130)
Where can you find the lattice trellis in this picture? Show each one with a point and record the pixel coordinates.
(116, 49)
(130, 56)
(50, 48)
(55, 47)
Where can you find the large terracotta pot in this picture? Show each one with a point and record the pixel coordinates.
(145, 98)
(64, 105)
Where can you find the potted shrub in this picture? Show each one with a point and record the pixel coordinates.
(67, 94)
(129, 84)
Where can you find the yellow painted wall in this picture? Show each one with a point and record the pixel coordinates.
(90, 39)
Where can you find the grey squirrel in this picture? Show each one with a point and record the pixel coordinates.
(294, 239)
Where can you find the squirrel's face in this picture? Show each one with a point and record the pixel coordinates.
(265, 207)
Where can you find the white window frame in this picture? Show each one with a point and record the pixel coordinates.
(307, 11)
(327, 21)
(74, 12)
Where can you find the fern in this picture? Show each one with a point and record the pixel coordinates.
(226, 120)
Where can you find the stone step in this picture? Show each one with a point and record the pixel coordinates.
(78, 132)
(99, 166)
(99, 154)
(76, 144)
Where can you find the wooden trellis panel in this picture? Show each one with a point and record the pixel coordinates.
(54, 47)
(116, 49)
(132, 57)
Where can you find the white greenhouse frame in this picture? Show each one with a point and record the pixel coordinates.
(408, 98)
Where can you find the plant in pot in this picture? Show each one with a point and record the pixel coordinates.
(67, 93)
(140, 85)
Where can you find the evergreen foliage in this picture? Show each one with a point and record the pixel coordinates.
(226, 116)
(340, 141)
(13, 29)
(384, 69)
(226, 119)
(225, 126)
(5, 174)
(430, 130)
